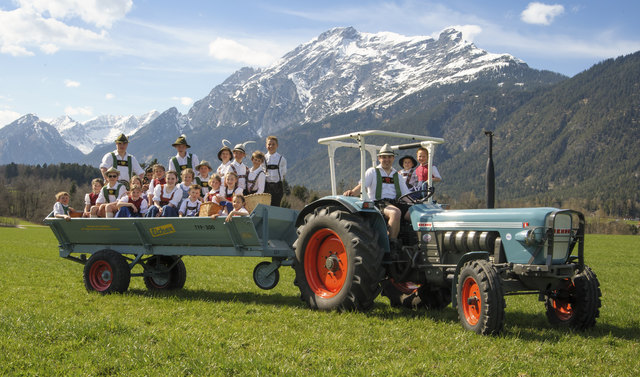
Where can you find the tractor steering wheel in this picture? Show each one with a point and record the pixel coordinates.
(429, 193)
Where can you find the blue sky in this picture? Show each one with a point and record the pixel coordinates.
(85, 58)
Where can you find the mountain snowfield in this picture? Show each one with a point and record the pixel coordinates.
(99, 130)
(339, 71)
(343, 70)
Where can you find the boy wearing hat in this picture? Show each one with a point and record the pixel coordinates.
(225, 156)
(107, 202)
(275, 169)
(182, 159)
(202, 177)
(121, 160)
(408, 165)
(385, 185)
(238, 167)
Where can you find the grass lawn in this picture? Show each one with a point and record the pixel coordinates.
(222, 324)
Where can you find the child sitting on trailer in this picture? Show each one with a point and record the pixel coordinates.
(214, 188)
(238, 207)
(229, 188)
(202, 177)
(224, 155)
(133, 204)
(61, 208)
(256, 176)
(107, 202)
(187, 180)
(238, 167)
(166, 197)
(190, 207)
(159, 178)
(90, 198)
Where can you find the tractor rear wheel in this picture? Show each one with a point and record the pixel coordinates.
(107, 271)
(480, 298)
(338, 263)
(162, 278)
(578, 305)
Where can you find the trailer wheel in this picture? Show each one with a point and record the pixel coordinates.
(264, 277)
(162, 278)
(107, 271)
(480, 298)
(402, 294)
(578, 305)
(338, 263)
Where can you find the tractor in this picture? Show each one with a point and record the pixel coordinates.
(470, 258)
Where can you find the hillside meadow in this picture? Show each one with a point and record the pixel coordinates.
(221, 324)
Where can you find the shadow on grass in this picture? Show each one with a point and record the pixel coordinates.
(274, 299)
(525, 326)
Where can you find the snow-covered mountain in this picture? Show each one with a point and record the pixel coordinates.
(343, 70)
(100, 130)
(29, 140)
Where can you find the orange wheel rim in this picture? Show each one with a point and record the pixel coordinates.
(471, 301)
(563, 309)
(325, 263)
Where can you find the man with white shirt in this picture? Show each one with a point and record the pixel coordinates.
(182, 160)
(385, 186)
(119, 159)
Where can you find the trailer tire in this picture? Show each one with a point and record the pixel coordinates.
(480, 298)
(165, 280)
(106, 272)
(402, 295)
(577, 306)
(263, 279)
(338, 262)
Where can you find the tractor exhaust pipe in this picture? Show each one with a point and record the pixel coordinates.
(491, 175)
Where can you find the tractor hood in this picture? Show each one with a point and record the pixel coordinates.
(425, 217)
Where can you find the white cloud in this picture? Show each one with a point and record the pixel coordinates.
(228, 49)
(97, 12)
(185, 101)
(109, 96)
(469, 32)
(42, 24)
(71, 84)
(541, 14)
(73, 111)
(7, 116)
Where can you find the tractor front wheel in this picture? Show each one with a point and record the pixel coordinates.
(480, 298)
(577, 305)
(107, 271)
(338, 263)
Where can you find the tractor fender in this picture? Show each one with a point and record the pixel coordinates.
(353, 205)
(473, 255)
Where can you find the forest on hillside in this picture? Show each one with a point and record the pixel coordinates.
(28, 192)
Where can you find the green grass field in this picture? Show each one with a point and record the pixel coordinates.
(222, 324)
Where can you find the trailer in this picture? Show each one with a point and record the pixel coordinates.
(115, 245)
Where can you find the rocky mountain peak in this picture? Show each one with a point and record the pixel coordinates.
(343, 70)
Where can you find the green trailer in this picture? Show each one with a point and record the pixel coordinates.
(115, 245)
